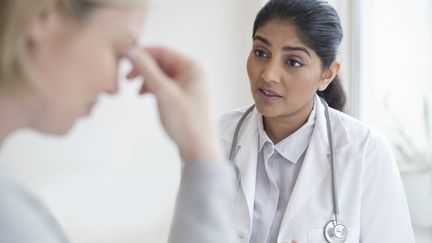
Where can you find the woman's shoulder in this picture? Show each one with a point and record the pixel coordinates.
(13, 193)
(23, 217)
(9, 184)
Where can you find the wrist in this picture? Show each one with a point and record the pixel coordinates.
(201, 152)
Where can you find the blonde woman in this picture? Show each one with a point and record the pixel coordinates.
(56, 57)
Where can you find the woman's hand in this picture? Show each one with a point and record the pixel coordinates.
(180, 87)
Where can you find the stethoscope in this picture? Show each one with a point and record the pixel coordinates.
(334, 230)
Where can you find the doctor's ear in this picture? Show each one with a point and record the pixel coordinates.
(46, 23)
(329, 75)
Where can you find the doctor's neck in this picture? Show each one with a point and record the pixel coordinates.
(280, 127)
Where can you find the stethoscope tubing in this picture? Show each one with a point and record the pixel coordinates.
(332, 161)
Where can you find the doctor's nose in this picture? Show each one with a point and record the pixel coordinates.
(272, 72)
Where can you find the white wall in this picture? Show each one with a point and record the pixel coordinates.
(115, 176)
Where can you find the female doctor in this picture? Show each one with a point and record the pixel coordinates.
(305, 171)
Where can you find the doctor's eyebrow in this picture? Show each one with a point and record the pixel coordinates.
(284, 48)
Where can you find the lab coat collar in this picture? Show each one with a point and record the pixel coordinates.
(339, 131)
(246, 160)
(249, 130)
(292, 147)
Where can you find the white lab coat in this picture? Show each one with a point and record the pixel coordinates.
(371, 197)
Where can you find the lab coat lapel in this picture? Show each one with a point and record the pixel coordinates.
(314, 170)
(246, 160)
(316, 164)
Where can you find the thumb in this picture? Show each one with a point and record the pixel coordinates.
(144, 64)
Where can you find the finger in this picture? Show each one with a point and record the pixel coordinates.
(132, 74)
(143, 89)
(144, 64)
(170, 61)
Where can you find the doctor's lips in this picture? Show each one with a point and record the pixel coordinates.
(269, 93)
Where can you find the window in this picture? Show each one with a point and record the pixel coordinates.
(396, 93)
(396, 72)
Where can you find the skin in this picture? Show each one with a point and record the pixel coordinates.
(284, 76)
(73, 61)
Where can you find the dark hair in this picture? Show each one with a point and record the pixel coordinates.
(319, 28)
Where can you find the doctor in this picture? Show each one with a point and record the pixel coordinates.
(285, 145)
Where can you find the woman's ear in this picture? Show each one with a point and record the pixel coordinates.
(329, 74)
(44, 24)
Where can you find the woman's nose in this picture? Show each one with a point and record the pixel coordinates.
(111, 86)
(272, 72)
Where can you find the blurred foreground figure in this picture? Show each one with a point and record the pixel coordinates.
(56, 57)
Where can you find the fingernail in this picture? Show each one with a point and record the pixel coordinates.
(132, 54)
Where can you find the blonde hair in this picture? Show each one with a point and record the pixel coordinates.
(15, 16)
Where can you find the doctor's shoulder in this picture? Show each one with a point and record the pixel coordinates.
(228, 119)
(227, 126)
(365, 139)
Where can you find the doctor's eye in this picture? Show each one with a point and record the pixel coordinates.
(260, 53)
(293, 62)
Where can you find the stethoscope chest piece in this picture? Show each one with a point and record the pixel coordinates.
(335, 232)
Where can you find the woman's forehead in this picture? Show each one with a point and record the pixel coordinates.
(126, 24)
(280, 31)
